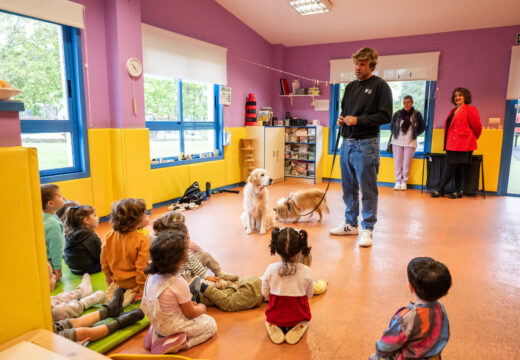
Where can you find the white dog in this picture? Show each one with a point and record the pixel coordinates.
(256, 215)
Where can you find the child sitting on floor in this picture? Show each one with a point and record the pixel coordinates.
(78, 329)
(125, 253)
(82, 245)
(52, 200)
(167, 300)
(287, 285)
(67, 204)
(420, 330)
(166, 222)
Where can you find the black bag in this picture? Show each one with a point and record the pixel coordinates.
(389, 146)
(193, 194)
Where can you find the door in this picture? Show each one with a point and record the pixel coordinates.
(510, 165)
(274, 152)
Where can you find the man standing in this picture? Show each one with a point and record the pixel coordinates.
(366, 105)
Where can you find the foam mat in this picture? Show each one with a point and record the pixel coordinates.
(69, 281)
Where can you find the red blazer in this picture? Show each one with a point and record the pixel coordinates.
(465, 128)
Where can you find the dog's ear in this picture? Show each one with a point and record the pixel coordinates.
(249, 178)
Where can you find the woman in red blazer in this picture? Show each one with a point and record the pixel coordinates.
(461, 131)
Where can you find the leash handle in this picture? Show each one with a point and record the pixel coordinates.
(330, 176)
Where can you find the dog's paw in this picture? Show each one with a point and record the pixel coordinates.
(262, 231)
(248, 231)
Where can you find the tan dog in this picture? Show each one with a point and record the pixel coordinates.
(300, 203)
(256, 215)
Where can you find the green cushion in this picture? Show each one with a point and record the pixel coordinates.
(69, 282)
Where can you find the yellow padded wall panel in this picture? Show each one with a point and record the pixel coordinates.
(213, 172)
(131, 164)
(234, 157)
(23, 256)
(327, 159)
(100, 170)
(79, 190)
(169, 182)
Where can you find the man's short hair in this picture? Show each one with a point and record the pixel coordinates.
(409, 97)
(366, 54)
(429, 278)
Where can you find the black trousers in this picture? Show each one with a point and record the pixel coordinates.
(457, 171)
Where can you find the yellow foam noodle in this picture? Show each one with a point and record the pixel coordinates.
(23, 256)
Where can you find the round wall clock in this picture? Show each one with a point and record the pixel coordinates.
(134, 67)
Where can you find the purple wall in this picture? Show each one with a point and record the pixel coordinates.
(476, 59)
(95, 55)
(206, 20)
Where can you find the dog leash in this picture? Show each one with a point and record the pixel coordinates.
(330, 178)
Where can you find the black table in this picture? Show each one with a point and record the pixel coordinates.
(436, 163)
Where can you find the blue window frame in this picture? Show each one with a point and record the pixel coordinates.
(426, 109)
(57, 129)
(183, 118)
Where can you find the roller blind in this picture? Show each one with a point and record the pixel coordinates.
(513, 84)
(173, 55)
(406, 67)
(58, 11)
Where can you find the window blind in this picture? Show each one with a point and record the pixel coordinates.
(406, 67)
(173, 55)
(57, 11)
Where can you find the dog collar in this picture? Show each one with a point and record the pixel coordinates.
(289, 204)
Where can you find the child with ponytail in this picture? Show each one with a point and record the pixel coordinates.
(287, 285)
(82, 245)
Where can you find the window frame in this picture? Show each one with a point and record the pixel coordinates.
(76, 123)
(181, 126)
(429, 106)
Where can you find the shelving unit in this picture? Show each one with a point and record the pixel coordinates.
(248, 156)
(268, 144)
(303, 152)
(306, 95)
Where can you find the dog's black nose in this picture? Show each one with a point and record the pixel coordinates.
(270, 181)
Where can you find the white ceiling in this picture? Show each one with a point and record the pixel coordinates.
(351, 20)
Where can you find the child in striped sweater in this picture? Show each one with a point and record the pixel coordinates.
(420, 330)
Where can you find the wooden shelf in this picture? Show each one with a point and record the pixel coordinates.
(305, 95)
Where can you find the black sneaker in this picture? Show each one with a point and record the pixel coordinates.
(129, 318)
(115, 306)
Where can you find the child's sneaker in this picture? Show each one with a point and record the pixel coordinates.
(170, 344)
(295, 334)
(275, 333)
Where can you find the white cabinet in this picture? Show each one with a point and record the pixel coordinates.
(268, 143)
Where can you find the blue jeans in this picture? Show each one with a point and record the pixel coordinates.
(359, 163)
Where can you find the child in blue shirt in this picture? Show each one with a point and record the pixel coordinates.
(52, 200)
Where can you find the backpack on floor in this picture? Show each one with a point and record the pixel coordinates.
(192, 194)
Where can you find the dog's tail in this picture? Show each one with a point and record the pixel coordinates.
(324, 205)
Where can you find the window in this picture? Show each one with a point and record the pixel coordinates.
(184, 117)
(423, 95)
(44, 60)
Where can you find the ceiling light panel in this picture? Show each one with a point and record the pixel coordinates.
(309, 7)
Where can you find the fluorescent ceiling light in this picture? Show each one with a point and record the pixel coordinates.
(309, 7)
